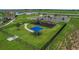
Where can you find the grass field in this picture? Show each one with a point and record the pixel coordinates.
(26, 39)
(72, 25)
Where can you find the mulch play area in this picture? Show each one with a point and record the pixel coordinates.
(46, 24)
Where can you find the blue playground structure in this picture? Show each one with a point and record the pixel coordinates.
(37, 29)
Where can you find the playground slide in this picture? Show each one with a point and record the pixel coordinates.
(25, 26)
(7, 23)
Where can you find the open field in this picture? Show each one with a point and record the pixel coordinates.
(72, 25)
(52, 11)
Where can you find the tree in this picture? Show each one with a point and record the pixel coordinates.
(18, 26)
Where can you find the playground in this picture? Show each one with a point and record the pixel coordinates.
(22, 33)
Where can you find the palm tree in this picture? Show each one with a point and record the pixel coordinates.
(49, 19)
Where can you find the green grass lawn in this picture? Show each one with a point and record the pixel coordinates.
(26, 39)
(72, 25)
(5, 45)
